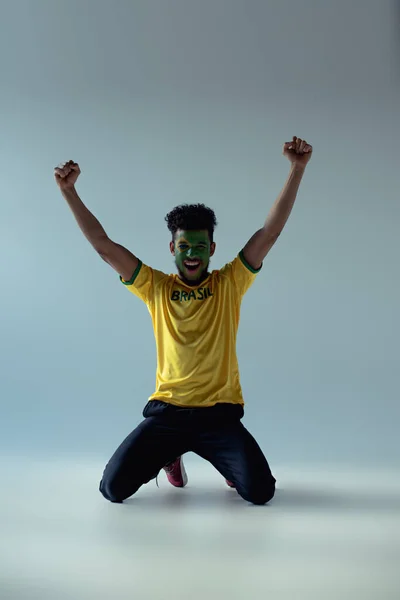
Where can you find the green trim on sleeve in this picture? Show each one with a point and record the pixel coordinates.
(246, 264)
(136, 273)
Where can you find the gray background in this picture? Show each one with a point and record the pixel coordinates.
(163, 102)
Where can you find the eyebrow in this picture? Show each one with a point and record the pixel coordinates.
(198, 243)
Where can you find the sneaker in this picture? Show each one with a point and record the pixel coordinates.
(176, 473)
(231, 485)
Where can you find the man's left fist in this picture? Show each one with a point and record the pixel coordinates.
(298, 151)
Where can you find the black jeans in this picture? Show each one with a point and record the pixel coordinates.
(216, 434)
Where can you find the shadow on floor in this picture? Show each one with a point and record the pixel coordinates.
(319, 499)
(295, 499)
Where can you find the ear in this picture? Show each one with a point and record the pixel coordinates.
(212, 248)
(172, 248)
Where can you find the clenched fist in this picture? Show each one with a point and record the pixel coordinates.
(298, 151)
(66, 174)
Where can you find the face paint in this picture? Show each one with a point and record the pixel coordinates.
(192, 254)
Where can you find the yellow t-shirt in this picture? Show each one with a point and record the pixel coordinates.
(195, 330)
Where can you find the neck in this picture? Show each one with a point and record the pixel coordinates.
(191, 282)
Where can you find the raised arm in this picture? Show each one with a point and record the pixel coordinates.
(118, 257)
(299, 153)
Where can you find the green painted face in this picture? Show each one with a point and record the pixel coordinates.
(192, 254)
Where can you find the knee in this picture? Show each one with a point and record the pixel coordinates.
(259, 494)
(116, 485)
(110, 491)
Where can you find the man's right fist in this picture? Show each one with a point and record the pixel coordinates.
(66, 174)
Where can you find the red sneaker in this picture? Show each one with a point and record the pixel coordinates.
(231, 485)
(176, 473)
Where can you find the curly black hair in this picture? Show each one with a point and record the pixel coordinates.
(191, 217)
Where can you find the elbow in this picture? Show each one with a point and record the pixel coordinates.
(270, 234)
(101, 245)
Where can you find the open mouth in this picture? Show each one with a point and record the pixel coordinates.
(192, 265)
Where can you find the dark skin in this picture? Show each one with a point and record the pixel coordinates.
(191, 248)
(298, 152)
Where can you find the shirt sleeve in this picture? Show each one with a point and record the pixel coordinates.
(144, 282)
(241, 273)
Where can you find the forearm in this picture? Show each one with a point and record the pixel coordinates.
(89, 225)
(283, 205)
(298, 151)
(264, 238)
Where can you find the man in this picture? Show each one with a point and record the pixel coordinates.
(198, 404)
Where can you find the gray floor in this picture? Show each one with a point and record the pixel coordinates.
(328, 534)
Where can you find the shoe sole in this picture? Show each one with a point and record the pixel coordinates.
(184, 474)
